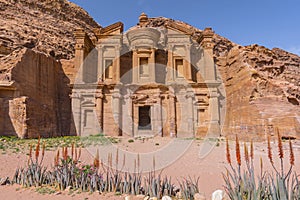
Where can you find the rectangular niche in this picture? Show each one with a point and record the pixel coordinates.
(179, 68)
(108, 68)
(144, 67)
(88, 118)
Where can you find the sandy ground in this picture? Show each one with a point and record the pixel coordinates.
(209, 168)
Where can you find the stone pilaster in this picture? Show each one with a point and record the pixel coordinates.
(188, 67)
(83, 47)
(211, 81)
(152, 74)
(190, 111)
(134, 115)
(214, 124)
(208, 45)
(117, 65)
(76, 107)
(99, 108)
(127, 120)
(135, 71)
(172, 114)
(170, 65)
(158, 123)
(79, 52)
(100, 63)
(117, 111)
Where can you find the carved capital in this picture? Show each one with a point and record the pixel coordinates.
(99, 95)
(213, 94)
(172, 96)
(79, 46)
(117, 95)
(157, 96)
(75, 96)
(190, 95)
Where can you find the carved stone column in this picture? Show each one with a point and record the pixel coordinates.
(79, 53)
(83, 47)
(172, 114)
(117, 65)
(100, 63)
(116, 111)
(127, 113)
(99, 108)
(76, 108)
(152, 65)
(207, 44)
(188, 67)
(211, 81)
(170, 67)
(135, 71)
(135, 114)
(190, 111)
(214, 125)
(158, 123)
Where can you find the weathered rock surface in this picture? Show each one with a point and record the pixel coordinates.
(262, 90)
(34, 96)
(46, 26)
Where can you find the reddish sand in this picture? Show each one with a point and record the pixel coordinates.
(209, 168)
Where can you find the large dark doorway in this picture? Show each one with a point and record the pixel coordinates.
(144, 118)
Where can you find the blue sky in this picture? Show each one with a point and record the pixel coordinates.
(270, 23)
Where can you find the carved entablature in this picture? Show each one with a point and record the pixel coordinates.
(83, 42)
(88, 103)
(151, 101)
(139, 97)
(201, 101)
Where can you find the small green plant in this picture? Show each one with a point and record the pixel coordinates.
(130, 140)
(45, 190)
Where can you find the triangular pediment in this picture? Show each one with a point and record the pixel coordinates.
(177, 28)
(113, 29)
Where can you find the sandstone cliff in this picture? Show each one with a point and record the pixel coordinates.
(34, 96)
(262, 90)
(46, 26)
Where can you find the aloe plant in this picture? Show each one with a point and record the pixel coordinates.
(69, 171)
(279, 184)
(240, 185)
